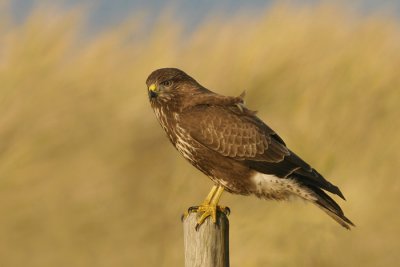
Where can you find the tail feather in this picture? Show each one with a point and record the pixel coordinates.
(327, 204)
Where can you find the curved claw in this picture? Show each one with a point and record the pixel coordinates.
(193, 209)
(183, 216)
(226, 210)
(205, 211)
(189, 210)
(209, 207)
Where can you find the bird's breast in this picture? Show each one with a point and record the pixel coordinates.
(179, 136)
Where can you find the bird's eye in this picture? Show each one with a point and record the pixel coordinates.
(167, 83)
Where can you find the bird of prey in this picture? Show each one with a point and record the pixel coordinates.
(226, 141)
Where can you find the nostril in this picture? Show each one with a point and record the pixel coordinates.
(152, 94)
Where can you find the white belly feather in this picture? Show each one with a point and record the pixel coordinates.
(272, 187)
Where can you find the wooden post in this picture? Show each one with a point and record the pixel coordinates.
(209, 245)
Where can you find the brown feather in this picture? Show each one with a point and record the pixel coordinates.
(238, 138)
(225, 140)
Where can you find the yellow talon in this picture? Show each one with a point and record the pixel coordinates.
(205, 212)
(209, 207)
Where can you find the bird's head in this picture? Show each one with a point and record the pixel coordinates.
(168, 84)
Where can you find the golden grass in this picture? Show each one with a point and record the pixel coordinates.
(89, 179)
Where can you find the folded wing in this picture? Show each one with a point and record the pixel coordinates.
(241, 135)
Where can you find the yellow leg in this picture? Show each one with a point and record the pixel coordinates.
(210, 209)
(210, 196)
(210, 206)
(217, 195)
(206, 202)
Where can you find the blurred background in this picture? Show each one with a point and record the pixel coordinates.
(88, 177)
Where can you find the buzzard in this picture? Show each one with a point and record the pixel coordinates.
(225, 140)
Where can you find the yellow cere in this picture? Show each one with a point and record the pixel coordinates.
(152, 87)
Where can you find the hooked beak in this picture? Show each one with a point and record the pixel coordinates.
(152, 91)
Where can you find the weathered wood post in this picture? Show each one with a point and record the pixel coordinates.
(208, 246)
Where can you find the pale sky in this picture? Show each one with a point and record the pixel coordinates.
(106, 13)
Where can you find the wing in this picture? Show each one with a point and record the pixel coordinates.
(233, 133)
(239, 134)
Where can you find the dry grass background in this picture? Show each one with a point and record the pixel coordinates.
(87, 177)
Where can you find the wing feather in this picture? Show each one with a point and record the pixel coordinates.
(241, 137)
(245, 137)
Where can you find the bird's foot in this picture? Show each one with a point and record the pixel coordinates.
(205, 211)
